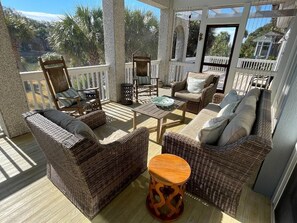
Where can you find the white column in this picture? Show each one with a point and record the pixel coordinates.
(165, 42)
(202, 32)
(13, 100)
(114, 44)
(237, 46)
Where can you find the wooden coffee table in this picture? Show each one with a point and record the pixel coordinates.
(153, 111)
(169, 174)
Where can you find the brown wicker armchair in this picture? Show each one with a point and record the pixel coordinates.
(88, 173)
(196, 102)
(64, 96)
(142, 80)
(219, 173)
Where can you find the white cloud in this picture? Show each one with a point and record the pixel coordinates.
(41, 16)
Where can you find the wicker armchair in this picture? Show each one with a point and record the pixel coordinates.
(219, 173)
(58, 81)
(89, 174)
(196, 102)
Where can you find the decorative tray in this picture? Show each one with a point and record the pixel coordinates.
(163, 101)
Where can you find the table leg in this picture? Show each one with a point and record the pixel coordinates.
(134, 120)
(184, 113)
(159, 130)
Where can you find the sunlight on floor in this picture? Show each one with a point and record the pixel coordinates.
(13, 160)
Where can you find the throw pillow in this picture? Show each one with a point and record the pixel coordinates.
(70, 124)
(212, 130)
(70, 93)
(255, 91)
(195, 85)
(229, 98)
(247, 101)
(144, 80)
(228, 109)
(240, 126)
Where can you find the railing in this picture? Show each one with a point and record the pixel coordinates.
(256, 64)
(245, 79)
(177, 70)
(38, 94)
(129, 70)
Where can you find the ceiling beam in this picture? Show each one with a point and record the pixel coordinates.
(182, 5)
(161, 4)
(274, 13)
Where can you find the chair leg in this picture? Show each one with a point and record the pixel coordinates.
(136, 94)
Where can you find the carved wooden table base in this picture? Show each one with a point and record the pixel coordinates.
(167, 187)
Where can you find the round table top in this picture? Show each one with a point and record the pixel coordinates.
(169, 169)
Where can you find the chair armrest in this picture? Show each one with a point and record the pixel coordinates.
(217, 98)
(115, 163)
(207, 95)
(89, 89)
(94, 119)
(178, 86)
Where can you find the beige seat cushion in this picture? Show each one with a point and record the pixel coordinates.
(209, 112)
(184, 94)
(107, 134)
(208, 77)
(240, 126)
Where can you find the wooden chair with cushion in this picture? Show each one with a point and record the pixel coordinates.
(196, 101)
(64, 96)
(142, 80)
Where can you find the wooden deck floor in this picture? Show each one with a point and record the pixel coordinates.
(26, 195)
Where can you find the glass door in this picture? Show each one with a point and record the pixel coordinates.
(217, 51)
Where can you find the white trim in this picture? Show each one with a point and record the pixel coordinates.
(285, 178)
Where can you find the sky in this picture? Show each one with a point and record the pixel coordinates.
(53, 10)
(44, 9)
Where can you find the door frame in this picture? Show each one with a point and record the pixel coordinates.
(208, 26)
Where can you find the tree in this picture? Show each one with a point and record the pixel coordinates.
(80, 37)
(19, 30)
(221, 45)
(194, 27)
(141, 33)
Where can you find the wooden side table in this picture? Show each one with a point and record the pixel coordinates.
(169, 174)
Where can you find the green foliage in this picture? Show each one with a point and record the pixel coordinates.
(28, 37)
(141, 33)
(194, 27)
(221, 45)
(80, 37)
(248, 47)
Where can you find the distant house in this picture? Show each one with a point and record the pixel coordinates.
(267, 45)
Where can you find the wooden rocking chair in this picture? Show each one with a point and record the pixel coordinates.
(64, 96)
(142, 80)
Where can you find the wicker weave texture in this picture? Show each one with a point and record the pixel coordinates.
(88, 173)
(219, 173)
(206, 95)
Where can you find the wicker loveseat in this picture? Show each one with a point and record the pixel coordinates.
(89, 173)
(219, 173)
(196, 101)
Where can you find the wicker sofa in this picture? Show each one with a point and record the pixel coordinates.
(219, 172)
(196, 102)
(90, 173)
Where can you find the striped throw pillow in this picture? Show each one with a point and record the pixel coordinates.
(70, 93)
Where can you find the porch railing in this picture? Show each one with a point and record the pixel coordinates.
(245, 79)
(177, 70)
(38, 94)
